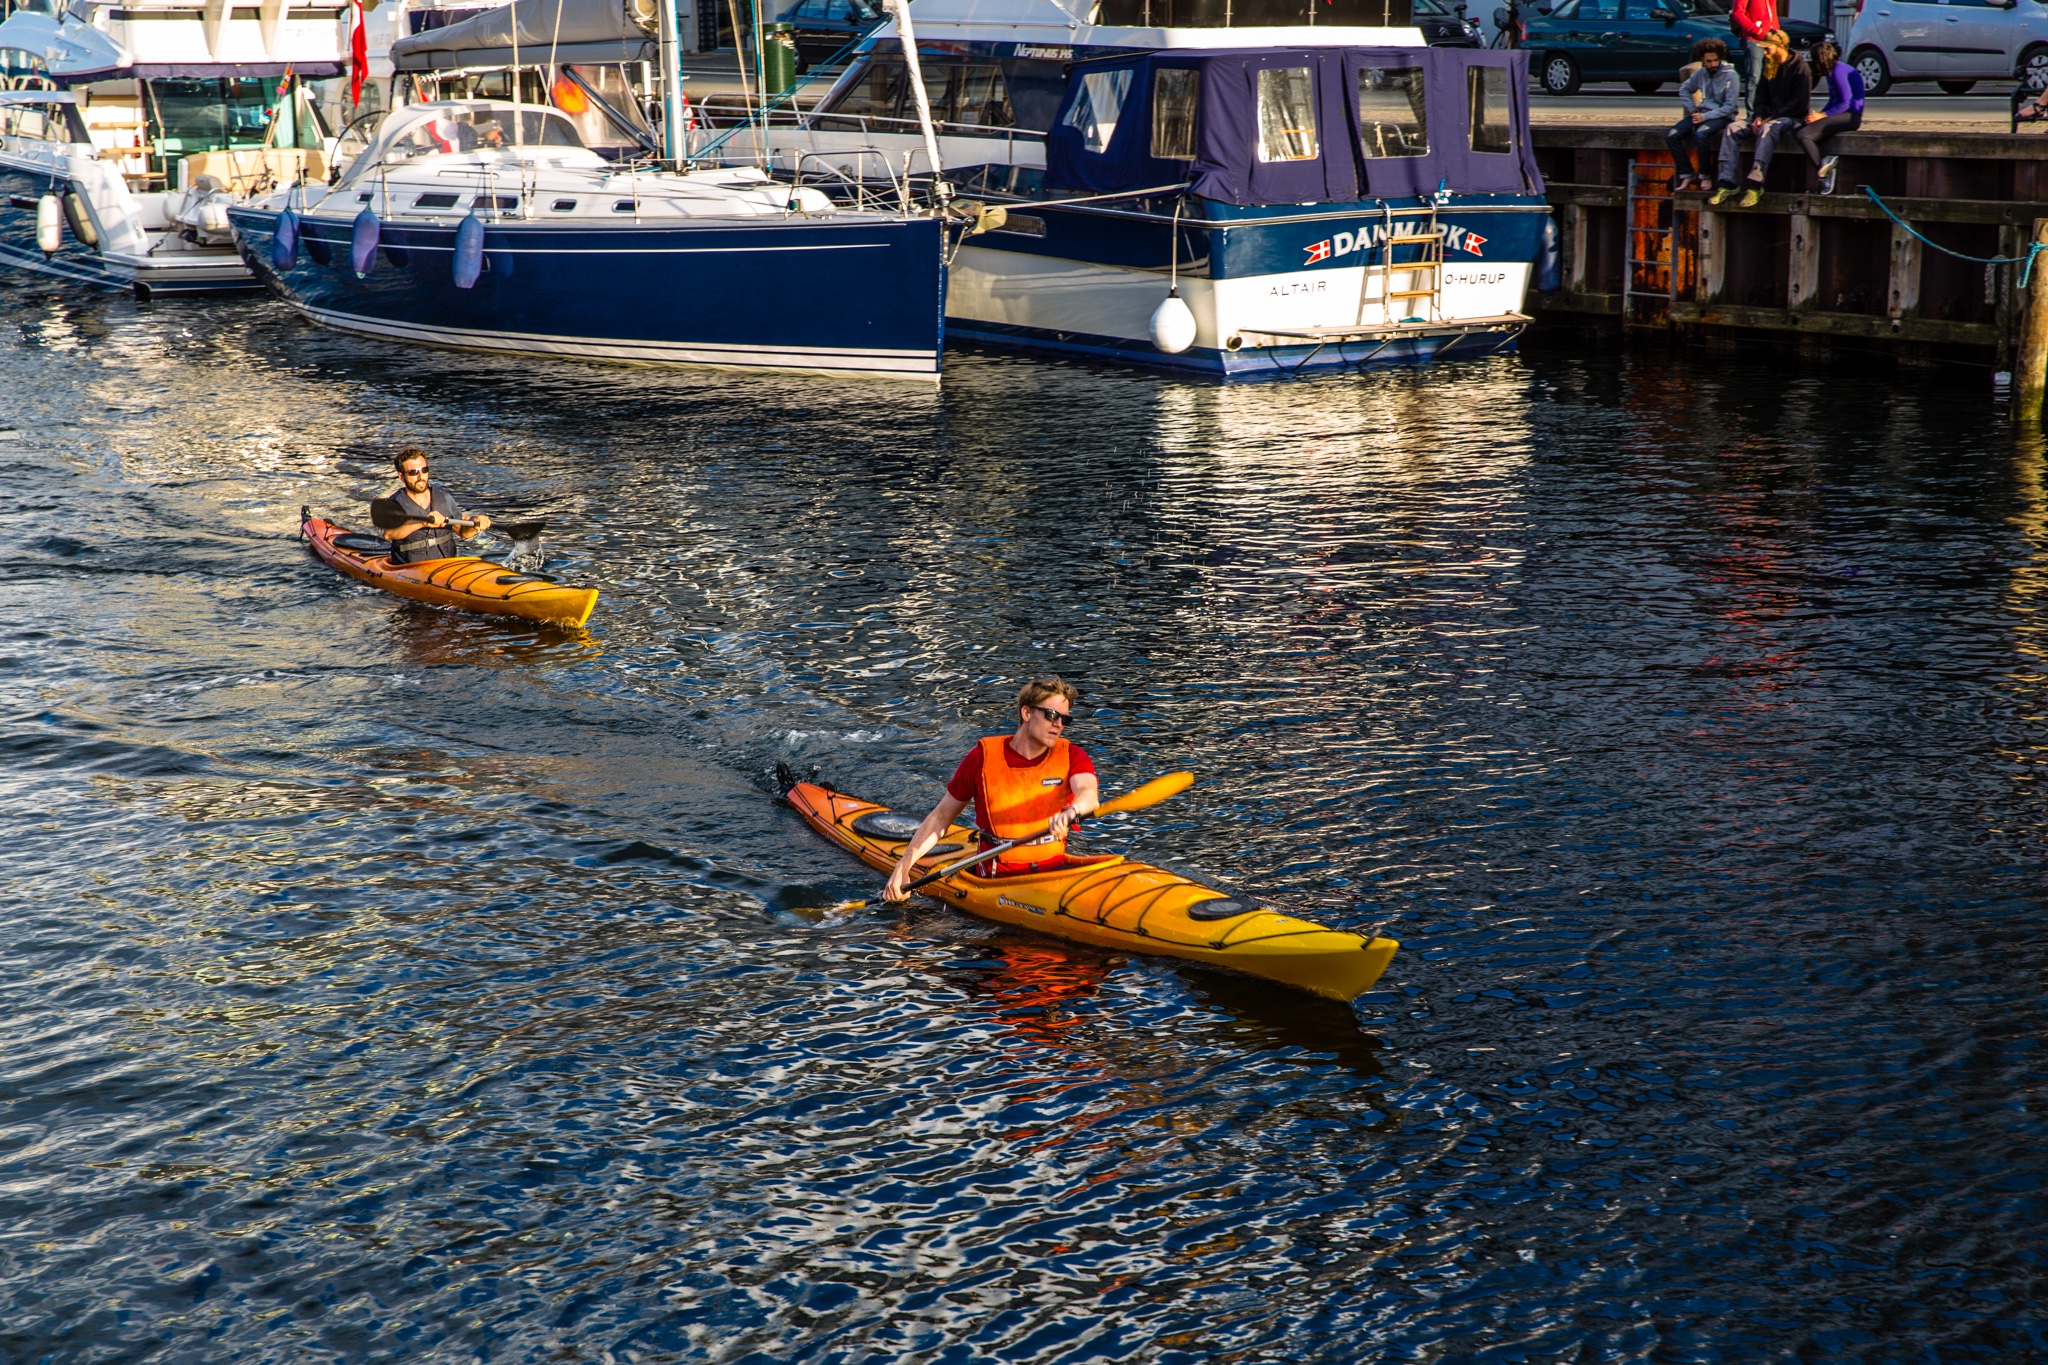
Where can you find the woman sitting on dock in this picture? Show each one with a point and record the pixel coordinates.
(1842, 114)
(1778, 107)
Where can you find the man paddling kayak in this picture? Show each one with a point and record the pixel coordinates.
(425, 533)
(1019, 785)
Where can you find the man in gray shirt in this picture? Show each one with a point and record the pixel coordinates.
(426, 532)
(1708, 98)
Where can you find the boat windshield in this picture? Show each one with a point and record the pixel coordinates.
(452, 129)
(43, 121)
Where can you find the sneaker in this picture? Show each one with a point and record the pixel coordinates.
(1827, 174)
(1749, 199)
(1722, 195)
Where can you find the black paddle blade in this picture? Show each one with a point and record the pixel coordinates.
(785, 778)
(385, 514)
(520, 530)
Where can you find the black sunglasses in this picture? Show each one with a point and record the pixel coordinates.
(1055, 717)
(410, 472)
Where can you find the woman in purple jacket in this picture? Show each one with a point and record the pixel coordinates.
(1843, 114)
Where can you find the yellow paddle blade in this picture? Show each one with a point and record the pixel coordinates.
(1151, 794)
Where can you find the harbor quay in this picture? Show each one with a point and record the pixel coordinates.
(1919, 254)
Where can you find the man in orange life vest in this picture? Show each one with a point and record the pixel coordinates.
(1019, 785)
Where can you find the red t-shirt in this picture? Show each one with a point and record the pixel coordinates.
(966, 779)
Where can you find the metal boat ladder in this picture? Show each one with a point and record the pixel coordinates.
(1422, 300)
(1652, 260)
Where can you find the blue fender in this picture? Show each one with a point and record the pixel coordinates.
(1549, 259)
(362, 251)
(284, 242)
(469, 252)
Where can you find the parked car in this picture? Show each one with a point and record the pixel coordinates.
(1955, 43)
(1443, 24)
(1641, 42)
(824, 28)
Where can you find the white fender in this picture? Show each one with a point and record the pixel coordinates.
(1173, 325)
(49, 224)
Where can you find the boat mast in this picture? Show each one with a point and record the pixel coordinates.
(940, 189)
(672, 81)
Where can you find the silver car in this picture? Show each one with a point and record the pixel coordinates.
(1955, 43)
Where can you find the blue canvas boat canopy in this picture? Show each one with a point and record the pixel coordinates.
(1257, 126)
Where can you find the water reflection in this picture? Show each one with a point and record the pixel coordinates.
(390, 982)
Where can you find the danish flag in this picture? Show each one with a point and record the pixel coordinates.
(1319, 252)
(1473, 241)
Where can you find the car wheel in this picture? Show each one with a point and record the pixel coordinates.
(1560, 75)
(1870, 65)
(1956, 87)
(1646, 87)
(2033, 72)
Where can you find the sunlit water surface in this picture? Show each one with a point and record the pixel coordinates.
(382, 984)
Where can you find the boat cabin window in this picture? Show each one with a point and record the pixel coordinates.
(1487, 92)
(504, 202)
(1251, 13)
(1175, 92)
(964, 95)
(976, 97)
(435, 201)
(1392, 111)
(43, 122)
(1287, 114)
(1102, 100)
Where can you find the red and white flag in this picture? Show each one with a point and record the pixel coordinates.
(358, 54)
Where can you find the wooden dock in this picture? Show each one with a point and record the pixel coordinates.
(1828, 267)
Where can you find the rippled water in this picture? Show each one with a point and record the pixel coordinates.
(384, 984)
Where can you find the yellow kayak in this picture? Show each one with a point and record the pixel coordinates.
(1112, 902)
(464, 582)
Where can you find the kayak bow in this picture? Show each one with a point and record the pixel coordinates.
(1111, 902)
(464, 582)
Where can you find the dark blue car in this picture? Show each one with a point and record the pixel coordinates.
(1640, 42)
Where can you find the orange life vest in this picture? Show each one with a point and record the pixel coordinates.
(1011, 802)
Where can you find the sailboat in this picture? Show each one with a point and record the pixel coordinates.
(490, 224)
(125, 128)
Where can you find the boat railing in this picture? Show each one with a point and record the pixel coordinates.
(838, 180)
(832, 122)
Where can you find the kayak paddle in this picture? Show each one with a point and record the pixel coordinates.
(1151, 794)
(387, 515)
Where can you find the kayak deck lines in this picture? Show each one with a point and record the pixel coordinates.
(1111, 902)
(464, 582)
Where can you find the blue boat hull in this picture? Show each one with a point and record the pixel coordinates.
(851, 296)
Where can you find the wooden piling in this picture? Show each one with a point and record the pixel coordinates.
(1825, 267)
(2030, 367)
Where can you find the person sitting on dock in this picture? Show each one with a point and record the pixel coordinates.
(1707, 97)
(1842, 114)
(1753, 21)
(1021, 784)
(426, 532)
(1777, 108)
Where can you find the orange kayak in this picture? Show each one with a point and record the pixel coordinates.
(464, 582)
(1113, 903)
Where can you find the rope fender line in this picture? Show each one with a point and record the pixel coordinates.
(2026, 262)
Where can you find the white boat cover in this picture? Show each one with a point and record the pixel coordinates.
(550, 32)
